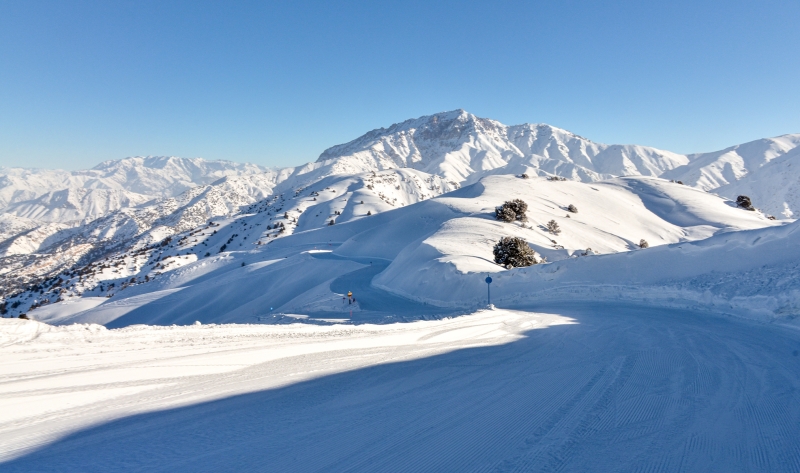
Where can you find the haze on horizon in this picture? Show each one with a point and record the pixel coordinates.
(277, 84)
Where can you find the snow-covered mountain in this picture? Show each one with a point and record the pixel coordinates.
(142, 219)
(38, 251)
(457, 146)
(766, 170)
(68, 196)
(462, 147)
(76, 204)
(19, 235)
(774, 187)
(713, 170)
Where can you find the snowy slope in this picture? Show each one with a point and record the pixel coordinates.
(428, 253)
(350, 196)
(462, 147)
(749, 273)
(766, 170)
(44, 250)
(76, 204)
(713, 170)
(19, 236)
(136, 239)
(773, 187)
(11, 226)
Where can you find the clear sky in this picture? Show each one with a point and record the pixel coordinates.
(276, 83)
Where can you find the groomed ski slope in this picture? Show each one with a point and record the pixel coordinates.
(570, 387)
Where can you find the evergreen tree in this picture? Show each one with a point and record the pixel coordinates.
(744, 202)
(514, 252)
(512, 210)
(553, 227)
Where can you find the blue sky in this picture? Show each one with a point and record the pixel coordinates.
(276, 83)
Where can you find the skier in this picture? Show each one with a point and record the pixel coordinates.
(349, 297)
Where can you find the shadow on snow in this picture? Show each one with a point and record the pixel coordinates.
(625, 389)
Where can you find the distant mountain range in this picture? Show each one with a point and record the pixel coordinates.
(52, 221)
(69, 196)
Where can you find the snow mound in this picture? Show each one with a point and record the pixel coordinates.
(18, 331)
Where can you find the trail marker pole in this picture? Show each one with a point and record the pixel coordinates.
(489, 288)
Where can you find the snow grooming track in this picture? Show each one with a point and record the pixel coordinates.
(600, 387)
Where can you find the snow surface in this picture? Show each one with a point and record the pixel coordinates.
(211, 330)
(570, 387)
(430, 259)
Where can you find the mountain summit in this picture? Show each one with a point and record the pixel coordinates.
(463, 147)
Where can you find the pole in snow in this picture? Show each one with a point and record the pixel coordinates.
(489, 288)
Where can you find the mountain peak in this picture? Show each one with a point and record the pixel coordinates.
(463, 147)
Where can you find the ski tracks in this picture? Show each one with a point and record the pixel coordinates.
(623, 389)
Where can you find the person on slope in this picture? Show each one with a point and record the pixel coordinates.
(349, 297)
